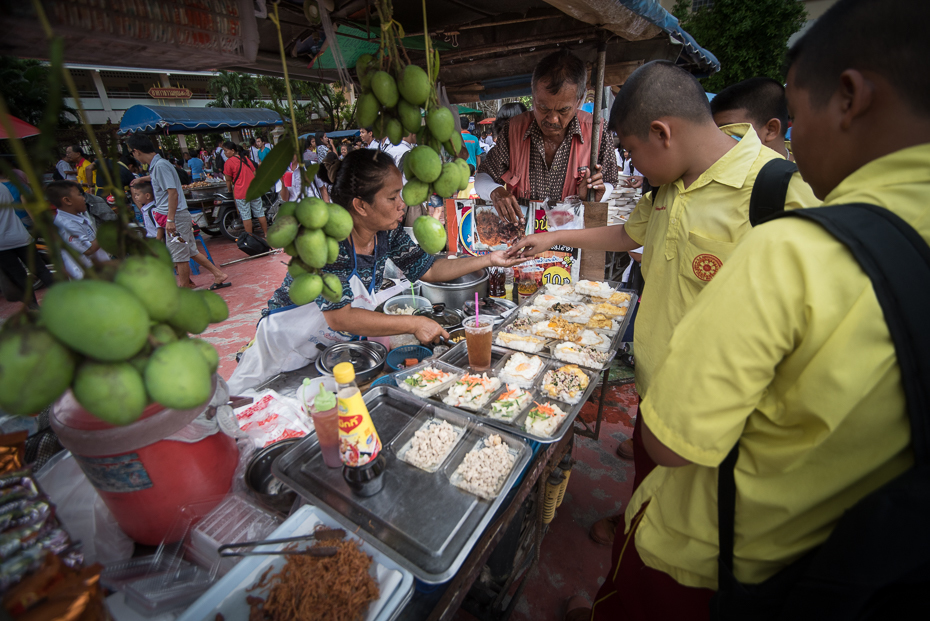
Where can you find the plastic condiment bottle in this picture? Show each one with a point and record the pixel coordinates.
(508, 284)
(359, 444)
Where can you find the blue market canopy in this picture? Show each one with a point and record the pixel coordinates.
(183, 120)
(343, 133)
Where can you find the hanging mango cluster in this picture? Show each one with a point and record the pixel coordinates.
(395, 94)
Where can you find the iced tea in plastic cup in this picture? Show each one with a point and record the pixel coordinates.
(478, 340)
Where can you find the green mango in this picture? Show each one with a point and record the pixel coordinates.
(287, 209)
(441, 123)
(414, 85)
(311, 245)
(152, 283)
(305, 289)
(178, 376)
(332, 288)
(297, 267)
(415, 192)
(291, 249)
(409, 115)
(35, 369)
(362, 64)
(162, 334)
(366, 111)
(219, 310)
(448, 182)
(159, 249)
(96, 318)
(332, 250)
(385, 88)
(430, 234)
(210, 355)
(111, 391)
(425, 164)
(312, 212)
(394, 131)
(340, 223)
(193, 315)
(283, 231)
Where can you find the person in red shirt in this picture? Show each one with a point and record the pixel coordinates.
(239, 171)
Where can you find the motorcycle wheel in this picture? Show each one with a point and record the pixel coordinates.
(230, 223)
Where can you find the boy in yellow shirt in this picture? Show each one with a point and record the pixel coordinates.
(787, 354)
(700, 213)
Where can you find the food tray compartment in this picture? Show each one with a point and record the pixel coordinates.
(518, 382)
(570, 414)
(512, 424)
(418, 519)
(401, 376)
(429, 414)
(474, 441)
(491, 373)
(458, 355)
(611, 354)
(543, 351)
(582, 395)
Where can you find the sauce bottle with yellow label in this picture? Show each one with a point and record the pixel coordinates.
(359, 444)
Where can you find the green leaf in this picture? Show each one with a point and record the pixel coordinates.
(271, 169)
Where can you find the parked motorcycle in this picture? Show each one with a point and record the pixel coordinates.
(222, 218)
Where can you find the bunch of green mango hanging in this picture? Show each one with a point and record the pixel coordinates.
(119, 339)
(395, 94)
(310, 231)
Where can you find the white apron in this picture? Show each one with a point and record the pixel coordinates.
(287, 338)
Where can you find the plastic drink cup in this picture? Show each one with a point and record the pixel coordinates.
(478, 339)
(326, 423)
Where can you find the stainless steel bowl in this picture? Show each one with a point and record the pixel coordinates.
(366, 356)
(269, 491)
(455, 293)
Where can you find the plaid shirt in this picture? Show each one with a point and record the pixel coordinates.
(546, 181)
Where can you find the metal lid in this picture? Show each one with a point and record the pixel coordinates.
(445, 316)
(489, 306)
(364, 356)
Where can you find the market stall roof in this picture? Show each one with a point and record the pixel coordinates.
(180, 120)
(345, 133)
(467, 110)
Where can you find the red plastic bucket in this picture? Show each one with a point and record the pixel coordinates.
(143, 478)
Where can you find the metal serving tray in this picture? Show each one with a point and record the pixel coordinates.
(419, 519)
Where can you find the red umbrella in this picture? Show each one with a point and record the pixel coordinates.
(487, 121)
(21, 129)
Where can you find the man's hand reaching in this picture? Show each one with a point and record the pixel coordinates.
(531, 245)
(506, 205)
(592, 182)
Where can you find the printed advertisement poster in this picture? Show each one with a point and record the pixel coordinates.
(481, 230)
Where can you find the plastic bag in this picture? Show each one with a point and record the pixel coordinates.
(82, 511)
(566, 215)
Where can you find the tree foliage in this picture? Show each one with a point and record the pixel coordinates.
(748, 38)
(231, 89)
(24, 84)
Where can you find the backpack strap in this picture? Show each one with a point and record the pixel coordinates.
(897, 260)
(770, 189)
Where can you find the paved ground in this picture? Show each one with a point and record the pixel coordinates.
(600, 483)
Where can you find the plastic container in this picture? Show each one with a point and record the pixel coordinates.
(235, 520)
(397, 356)
(143, 477)
(429, 415)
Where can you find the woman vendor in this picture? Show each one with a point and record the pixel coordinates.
(368, 184)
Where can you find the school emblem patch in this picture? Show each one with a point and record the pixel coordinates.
(706, 266)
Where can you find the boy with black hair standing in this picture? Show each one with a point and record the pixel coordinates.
(797, 366)
(700, 212)
(760, 102)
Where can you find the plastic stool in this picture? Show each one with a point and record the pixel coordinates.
(195, 268)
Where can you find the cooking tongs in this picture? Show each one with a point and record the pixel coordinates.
(319, 535)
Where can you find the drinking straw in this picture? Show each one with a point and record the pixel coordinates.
(412, 294)
(476, 310)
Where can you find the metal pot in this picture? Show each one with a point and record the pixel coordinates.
(269, 491)
(455, 293)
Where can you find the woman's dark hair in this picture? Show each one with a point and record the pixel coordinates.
(359, 175)
(232, 146)
(507, 111)
(138, 142)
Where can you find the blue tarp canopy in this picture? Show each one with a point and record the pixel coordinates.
(183, 120)
(343, 133)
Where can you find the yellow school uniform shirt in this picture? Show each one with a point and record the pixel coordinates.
(786, 351)
(82, 176)
(688, 234)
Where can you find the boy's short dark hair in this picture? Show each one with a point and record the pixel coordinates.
(464, 122)
(762, 98)
(76, 148)
(138, 142)
(873, 35)
(57, 190)
(145, 187)
(558, 68)
(655, 90)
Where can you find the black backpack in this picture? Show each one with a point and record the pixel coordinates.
(768, 190)
(876, 562)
